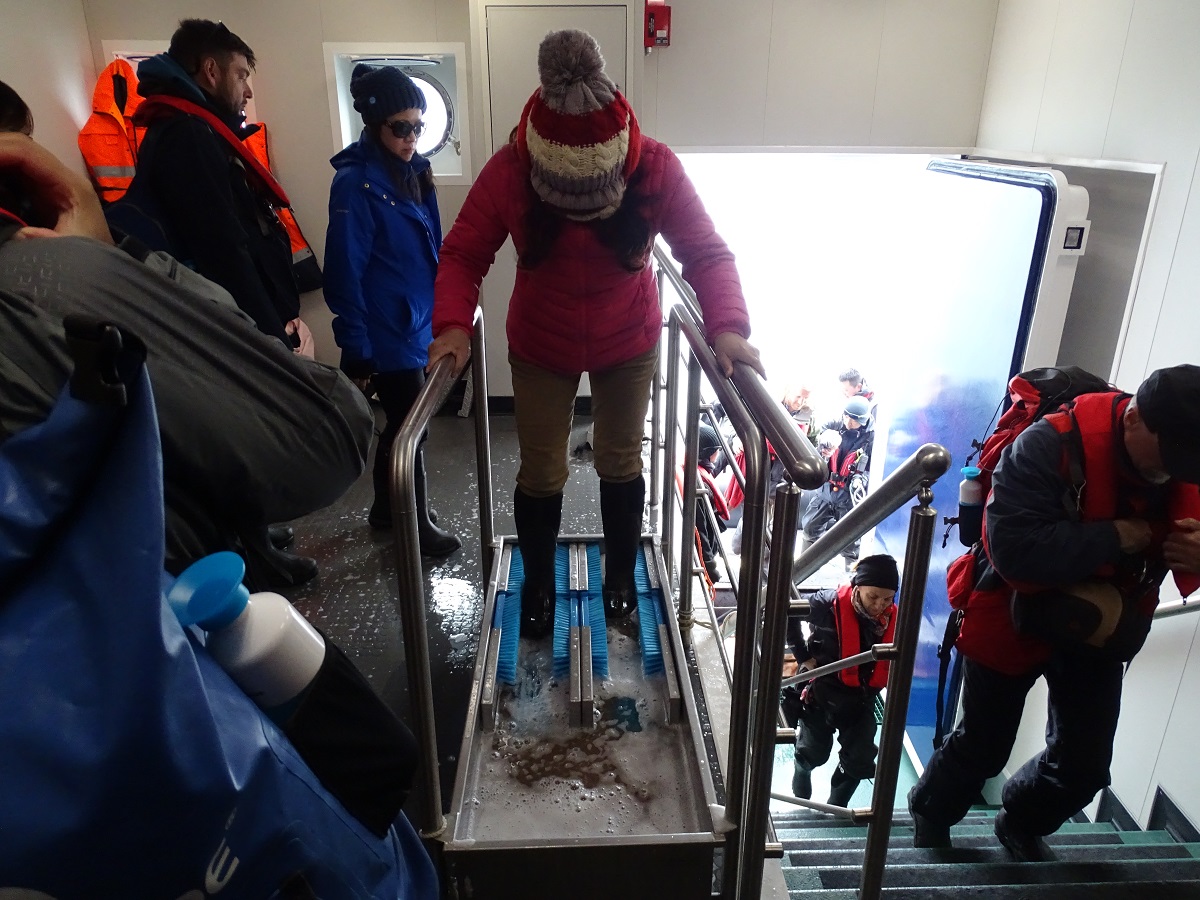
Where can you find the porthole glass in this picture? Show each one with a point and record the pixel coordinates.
(437, 116)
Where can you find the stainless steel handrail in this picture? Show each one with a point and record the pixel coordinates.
(917, 552)
(799, 457)
(759, 649)
(411, 580)
(1178, 608)
(927, 464)
(752, 826)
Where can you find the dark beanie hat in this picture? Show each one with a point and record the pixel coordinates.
(877, 571)
(382, 92)
(709, 442)
(1169, 403)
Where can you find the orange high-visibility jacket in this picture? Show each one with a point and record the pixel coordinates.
(109, 140)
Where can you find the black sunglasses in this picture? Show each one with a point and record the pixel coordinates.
(402, 129)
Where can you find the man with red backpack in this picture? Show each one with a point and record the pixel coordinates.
(1090, 507)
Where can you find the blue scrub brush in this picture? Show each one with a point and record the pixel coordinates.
(593, 609)
(564, 616)
(507, 618)
(649, 604)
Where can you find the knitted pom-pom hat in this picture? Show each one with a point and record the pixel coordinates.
(577, 132)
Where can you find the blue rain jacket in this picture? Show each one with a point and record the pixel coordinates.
(381, 255)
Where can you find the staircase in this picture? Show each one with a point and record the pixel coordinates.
(823, 856)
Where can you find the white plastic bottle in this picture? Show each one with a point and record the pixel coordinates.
(970, 506)
(266, 646)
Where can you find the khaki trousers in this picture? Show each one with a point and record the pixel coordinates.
(544, 403)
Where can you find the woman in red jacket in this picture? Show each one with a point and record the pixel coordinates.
(583, 194)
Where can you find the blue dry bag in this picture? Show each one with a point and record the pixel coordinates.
(130, 764)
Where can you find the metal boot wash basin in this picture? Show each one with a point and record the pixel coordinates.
(577, 786)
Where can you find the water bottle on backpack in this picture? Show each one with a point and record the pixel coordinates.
(970, 506)
(260, 639)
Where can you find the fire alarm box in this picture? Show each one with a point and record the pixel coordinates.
(658, 25)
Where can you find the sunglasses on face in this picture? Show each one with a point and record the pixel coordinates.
(402, 129)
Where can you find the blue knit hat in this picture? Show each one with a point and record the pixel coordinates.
(382, 92)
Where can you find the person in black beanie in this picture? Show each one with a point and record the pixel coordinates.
(843, 623)
(381, 257)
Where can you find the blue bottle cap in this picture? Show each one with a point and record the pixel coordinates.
(971, 471)
(209, 592)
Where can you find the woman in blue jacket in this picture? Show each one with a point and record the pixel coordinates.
(381, 255)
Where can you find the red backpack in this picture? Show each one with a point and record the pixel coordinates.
(1032, 394)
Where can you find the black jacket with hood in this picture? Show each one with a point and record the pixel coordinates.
(215, 221)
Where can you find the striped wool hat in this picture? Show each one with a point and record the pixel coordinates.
(578, 132)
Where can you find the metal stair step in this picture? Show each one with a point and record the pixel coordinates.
(1060, 873)
(993, 853)
(853, 831)
(812, 818)
(1136, 890)
(821, 842)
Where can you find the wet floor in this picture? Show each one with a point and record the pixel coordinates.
(353, 599)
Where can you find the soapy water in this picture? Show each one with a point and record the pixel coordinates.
(538, 777)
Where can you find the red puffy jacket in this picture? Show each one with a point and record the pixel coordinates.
(580, 310)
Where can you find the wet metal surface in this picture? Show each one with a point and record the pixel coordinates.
(535, 778)
(353, 599)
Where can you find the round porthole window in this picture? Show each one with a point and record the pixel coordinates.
(438, 116)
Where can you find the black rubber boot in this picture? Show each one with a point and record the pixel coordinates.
(841, 788)
(271, 569)
(1023, 845)
(802, 782)
(538, 520)
(281, 536)
(434, 541)
(927, 834)
(621, 505)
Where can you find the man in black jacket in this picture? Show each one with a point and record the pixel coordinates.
(214, 206)
(213, 201)
(852, 458)
(843, 623)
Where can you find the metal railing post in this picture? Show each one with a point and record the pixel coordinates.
(411, 589)
(670, 428)
(656, 423)
(917, 551)
(483, 449)
(761, 733)
(688, 515)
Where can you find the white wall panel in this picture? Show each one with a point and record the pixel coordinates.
(1176, 337)
(1016, 74)
(712, 79)
(1150, 709)
(380, 20)
(1154, 119)
(824, 63)
(1176, 771)
(932, 69)
(44, 57)
(1081, 77)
